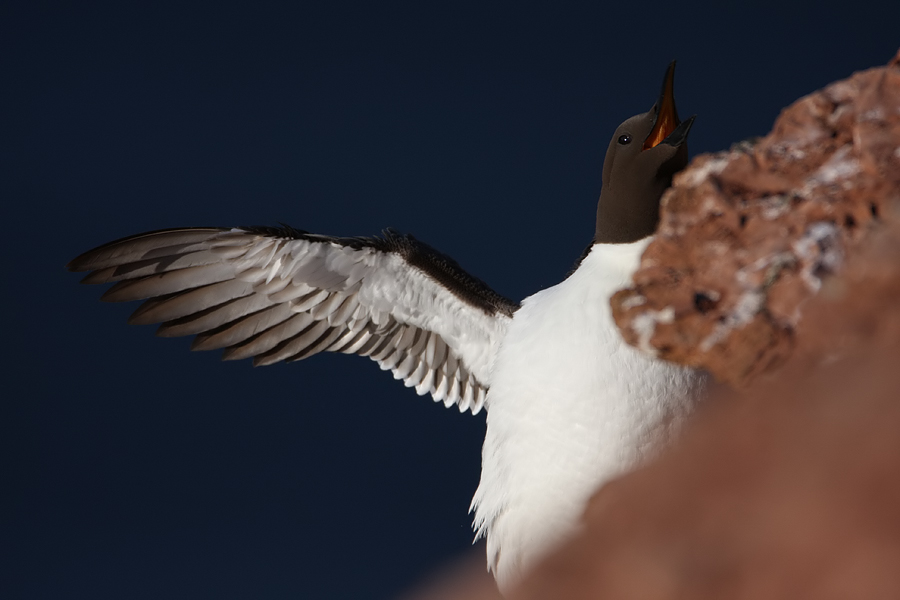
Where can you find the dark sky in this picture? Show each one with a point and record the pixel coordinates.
(132, 468)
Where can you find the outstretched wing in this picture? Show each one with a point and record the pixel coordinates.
(278, 294)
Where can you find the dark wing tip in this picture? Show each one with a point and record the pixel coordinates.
(86, 260)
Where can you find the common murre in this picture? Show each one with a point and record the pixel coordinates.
(282, 294)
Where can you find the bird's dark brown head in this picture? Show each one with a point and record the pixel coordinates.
(644, 153)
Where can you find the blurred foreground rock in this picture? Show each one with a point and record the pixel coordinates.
(790, 487)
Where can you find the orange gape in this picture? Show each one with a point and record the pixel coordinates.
(667, 118)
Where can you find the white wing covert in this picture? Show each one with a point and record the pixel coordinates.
(280, 294)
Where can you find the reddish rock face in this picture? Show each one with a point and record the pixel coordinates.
(747, 236)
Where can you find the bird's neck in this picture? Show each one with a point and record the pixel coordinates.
(623, 221)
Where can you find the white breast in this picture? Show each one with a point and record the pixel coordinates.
(570, 406)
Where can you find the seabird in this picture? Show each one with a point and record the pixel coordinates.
(569, 404)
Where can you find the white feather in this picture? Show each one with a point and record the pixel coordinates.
(566, 411)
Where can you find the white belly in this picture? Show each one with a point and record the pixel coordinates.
(570, 406)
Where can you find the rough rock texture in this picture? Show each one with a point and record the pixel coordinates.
(747, 235)
(790, 487)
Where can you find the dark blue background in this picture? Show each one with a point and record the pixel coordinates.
(132, 468)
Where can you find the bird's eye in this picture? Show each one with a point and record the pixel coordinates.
(624, 139)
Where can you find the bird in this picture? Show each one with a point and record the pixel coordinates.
(569, 404)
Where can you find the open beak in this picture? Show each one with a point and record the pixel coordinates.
(667, 128)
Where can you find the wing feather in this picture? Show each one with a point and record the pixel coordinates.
(213, 317)
(280, 294)
(168, 282)
(242, 329)
(190, 302)
(265, 342)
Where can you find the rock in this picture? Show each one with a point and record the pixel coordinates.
(464, 579)
(746, 236)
